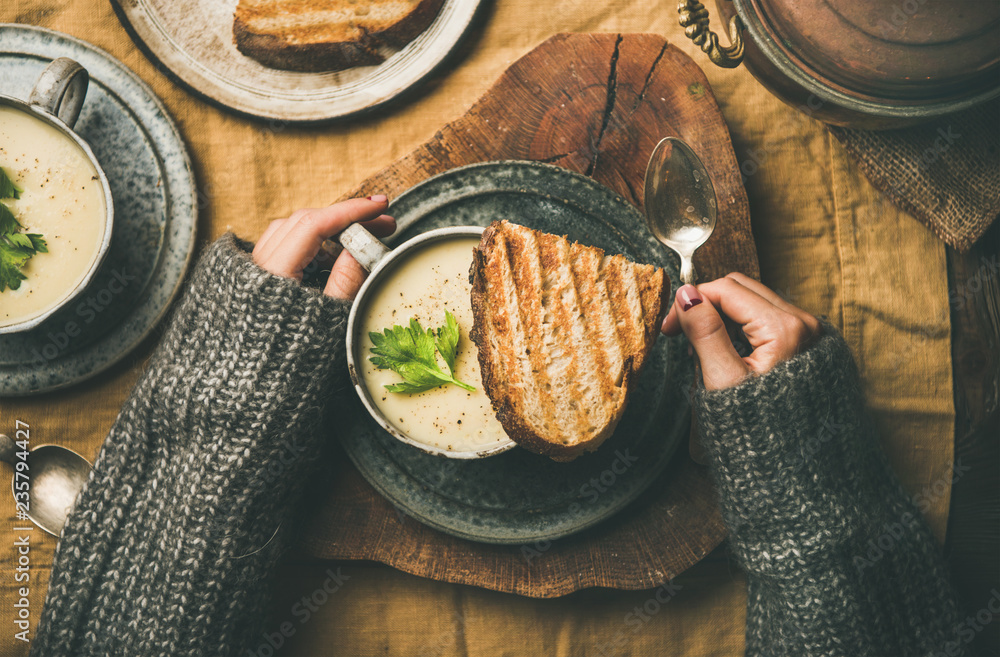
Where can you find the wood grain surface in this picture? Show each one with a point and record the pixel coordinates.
(596, 104)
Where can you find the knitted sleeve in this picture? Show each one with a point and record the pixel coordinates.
(838, 558)
(170, 546)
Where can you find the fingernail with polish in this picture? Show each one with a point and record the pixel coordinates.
(690, 297)
(378, 198)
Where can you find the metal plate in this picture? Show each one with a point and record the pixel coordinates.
(193, 40)
(518, 496)
(154, 194)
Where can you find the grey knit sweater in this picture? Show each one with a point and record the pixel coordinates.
(171, 544)
(162, 554)
(839, 560)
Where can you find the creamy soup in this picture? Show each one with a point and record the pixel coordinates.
(62, 199)
(429, 281)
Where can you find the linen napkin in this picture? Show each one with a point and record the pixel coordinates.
(946, 173)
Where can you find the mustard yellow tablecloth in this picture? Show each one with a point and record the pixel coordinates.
(827, 241)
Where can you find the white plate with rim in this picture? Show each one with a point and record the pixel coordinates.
(192, 41)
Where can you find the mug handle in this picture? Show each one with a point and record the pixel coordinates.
(60, 90)
(367, 249)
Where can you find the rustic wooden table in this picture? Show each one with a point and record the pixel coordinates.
(250, 172)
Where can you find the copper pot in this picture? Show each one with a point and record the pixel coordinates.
(860, 63)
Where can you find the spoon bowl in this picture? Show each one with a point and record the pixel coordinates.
(679, 203)
(56, 474)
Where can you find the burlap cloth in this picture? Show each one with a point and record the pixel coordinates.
(824, 235)
(946, 173)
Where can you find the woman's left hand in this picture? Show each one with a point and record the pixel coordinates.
(288, 245)
(775, 329)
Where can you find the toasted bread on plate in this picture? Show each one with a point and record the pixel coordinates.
(327, 35)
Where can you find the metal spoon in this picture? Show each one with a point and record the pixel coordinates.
(56, 474)
(679, 201)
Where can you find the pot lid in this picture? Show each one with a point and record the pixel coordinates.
(904, 49)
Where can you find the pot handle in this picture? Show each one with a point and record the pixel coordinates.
(60, 90)
(367, 249)
(694, 20)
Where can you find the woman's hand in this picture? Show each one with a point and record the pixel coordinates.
(289, 245)
(776, 329)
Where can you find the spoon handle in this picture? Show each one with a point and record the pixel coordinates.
(688, 275)
(7, 449)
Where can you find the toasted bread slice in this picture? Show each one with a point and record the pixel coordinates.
(327, 35)
(563, 331)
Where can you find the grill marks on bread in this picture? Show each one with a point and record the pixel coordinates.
(562, 330)
(524, 274)
(566, 364)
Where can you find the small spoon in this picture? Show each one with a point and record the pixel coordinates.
(679, 201)
(680, 212)
(56, 475)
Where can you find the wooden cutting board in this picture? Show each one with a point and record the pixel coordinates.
(596, 104)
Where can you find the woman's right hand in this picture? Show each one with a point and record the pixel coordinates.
(776, 329)
(288, 245)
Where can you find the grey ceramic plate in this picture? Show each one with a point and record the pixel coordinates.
(519, 497)
(193, 41)
(155, 217)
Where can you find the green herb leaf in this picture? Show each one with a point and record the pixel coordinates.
(8, 222)
(7, 187)
(29, 241)
(38, 243)
(16, 248)
(446, 340)
(410, 352)
(13, 256)
(20, 239)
